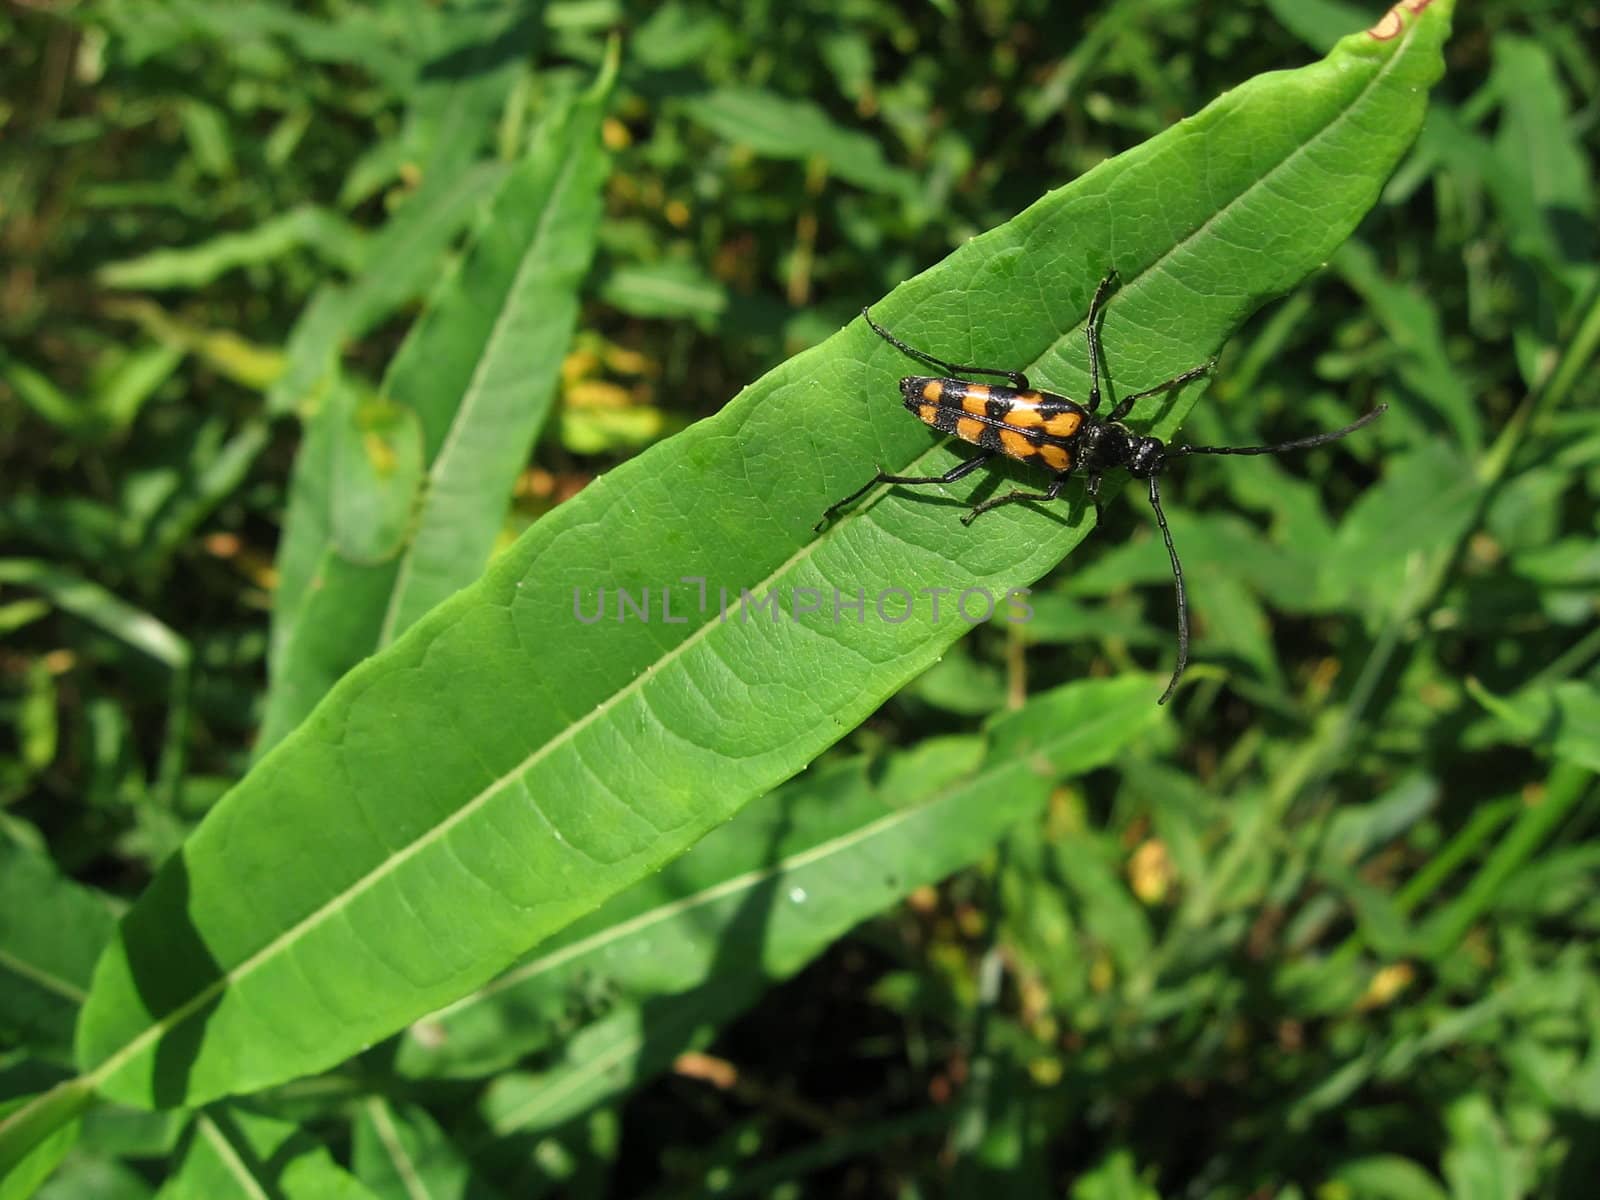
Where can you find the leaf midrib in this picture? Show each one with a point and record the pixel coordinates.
(42, 978)
(337, 903)
(232, 1161)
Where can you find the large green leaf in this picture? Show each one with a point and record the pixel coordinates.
(367, 552)
(504, 767)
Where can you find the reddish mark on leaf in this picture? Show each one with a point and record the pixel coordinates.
(1391, 23)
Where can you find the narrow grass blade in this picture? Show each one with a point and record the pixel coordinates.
(98, 606)
(470, 389)
(481, 368)
(331, 235)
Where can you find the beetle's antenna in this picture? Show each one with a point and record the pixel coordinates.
(1301, 444)
(1177, 576)
(1166, 533)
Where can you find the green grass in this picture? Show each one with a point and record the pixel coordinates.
(305, 316)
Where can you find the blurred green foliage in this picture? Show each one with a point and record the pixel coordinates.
(1329, 934)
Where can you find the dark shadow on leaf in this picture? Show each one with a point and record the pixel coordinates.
(171, 966)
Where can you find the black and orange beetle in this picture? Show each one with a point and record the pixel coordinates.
(1058, 434)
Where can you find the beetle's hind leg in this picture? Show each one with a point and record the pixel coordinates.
(1093, 489)
(1050, 493)
(959, 471)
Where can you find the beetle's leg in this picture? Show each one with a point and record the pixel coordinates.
(959, 471)
(1125, 405)
(1050, 493)
(1092, 331)
(1094, 495)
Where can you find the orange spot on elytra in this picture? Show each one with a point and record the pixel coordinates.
(1063, 424)
(932, 390)
(976, 405)
(969, 430)
(1055, 457)
(1017, 446)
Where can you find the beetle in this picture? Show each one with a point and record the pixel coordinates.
(1053, 432)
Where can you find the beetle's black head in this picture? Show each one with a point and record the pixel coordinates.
(1146, 457)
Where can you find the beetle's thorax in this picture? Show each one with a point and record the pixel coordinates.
(1103, 445)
